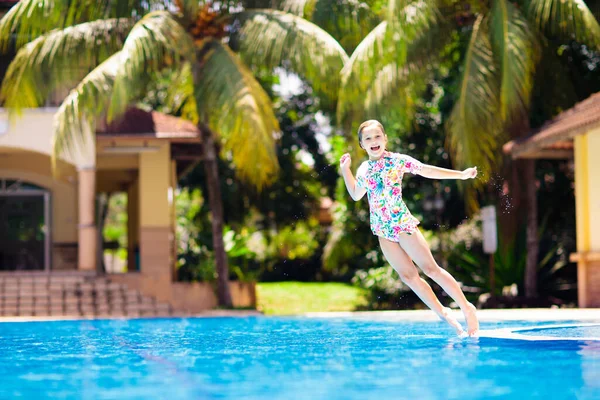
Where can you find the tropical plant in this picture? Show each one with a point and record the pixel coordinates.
(305, 173)
(470, 266)
(388, 49)
(106, 51)
(295, 242)
(505, 43)
(384, 287)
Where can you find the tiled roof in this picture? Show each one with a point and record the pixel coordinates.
(139, 123)
(557, 134)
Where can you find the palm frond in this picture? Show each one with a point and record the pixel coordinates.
(415, 13)
(393, 90)
(415, 21)
(127, 8)
(472, 127)
(77, 114)
(272, 38)
(372, 54)
(393, 87)
(517, 51)
(301, 8)
(180, 94)
(155, 41)
(387, 60)
(29, 19)
(60, 59)
(238, 109)
(347, 21)
(570, 19)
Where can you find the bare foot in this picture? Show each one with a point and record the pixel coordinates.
(449, 318)
(471, 318)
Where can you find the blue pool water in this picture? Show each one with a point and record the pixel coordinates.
(288, 358)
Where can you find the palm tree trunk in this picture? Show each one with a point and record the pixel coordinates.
(524, 199)
(215, 199)
(532, 229)
(216, 206)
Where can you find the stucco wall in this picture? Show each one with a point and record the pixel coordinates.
(587, 199)
(33, 130)
(193, 297)
(593, 175)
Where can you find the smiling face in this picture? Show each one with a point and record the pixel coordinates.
(373, 141)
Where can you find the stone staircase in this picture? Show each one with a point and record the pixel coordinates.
(74, 295)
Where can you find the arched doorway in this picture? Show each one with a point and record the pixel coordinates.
(24, 226)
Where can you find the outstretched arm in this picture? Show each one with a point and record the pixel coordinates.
(355, 191)
(431, 172)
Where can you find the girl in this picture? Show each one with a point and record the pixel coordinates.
(400, 239)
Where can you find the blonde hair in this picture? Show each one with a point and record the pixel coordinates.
(367, 124)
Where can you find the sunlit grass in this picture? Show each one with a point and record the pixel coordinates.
(287, 298)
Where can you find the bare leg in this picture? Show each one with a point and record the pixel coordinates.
(409, 274)
(417, 248)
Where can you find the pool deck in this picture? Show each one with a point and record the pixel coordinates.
(206, 314)
(521, 314)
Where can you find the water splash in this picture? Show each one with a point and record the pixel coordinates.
(500, 187)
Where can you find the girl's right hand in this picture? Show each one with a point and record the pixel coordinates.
(469, 173)
(345, 161)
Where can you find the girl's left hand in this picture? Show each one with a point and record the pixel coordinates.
(469, 173)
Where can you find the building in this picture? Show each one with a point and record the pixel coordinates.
(48, 222)
(575, 134)
(50, 241)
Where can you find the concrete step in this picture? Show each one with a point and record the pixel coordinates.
(164, 307)
(74, 295)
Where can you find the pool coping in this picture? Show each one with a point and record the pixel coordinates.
(488, 315)
(516, 333)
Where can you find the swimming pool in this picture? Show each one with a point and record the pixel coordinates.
(291, 358)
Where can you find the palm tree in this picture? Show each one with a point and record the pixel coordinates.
(389, 44)
(106, 52)
(507, 39)
(506, 44)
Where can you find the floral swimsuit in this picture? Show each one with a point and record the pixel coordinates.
(383, 180)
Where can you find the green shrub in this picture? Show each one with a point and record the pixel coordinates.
(384, 287)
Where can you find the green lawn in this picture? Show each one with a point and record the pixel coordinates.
(286, 298)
